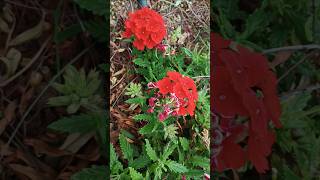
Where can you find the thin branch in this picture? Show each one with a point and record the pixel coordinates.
(201, 77)
(292, 48)
(298, 91)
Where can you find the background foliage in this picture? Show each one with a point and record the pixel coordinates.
(267, 24)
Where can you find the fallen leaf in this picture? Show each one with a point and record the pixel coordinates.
(73, 145)
(4, 27)
(7, 13)
(29, 34)
(280, 58)
(9, 114)
(41, 147)
(27, 171)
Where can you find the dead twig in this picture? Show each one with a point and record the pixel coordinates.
(292, 48)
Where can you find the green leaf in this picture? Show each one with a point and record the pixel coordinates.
(141, 62)
(256, 21)
(126, 147)
(184, 143)
(149, 128)
(73, 108)
(78, 124)
(195, 173)
(140, 117)
(98, 7)
(288, 174)
(134, 90)
(203, 162)
(77, 90)
(135, 175)
(115, 165)
(63, 89)
(137, 100)
(176, 167)
(60, 101)
(170, 132)
(150, 151)
(93, 173)
(140, 162)
(187, 52)
(168, 151)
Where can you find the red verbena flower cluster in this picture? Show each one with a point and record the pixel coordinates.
(245, 102)
(147, 27)
(176, 96)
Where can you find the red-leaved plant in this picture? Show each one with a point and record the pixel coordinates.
(245, 104)
(175, 95)
(147, 27)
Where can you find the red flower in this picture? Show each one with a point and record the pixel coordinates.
(244, 86)
(147, 26)
(178, 94)
(183, 87)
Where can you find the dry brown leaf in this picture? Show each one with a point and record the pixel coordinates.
(76, 144)
(280, 58)
(5, 150)
(27, 171)
(93, 154)
(41, 147)
(9, 114)
(25, 99)
(31, 161)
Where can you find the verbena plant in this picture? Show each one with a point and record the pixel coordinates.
(165, 150)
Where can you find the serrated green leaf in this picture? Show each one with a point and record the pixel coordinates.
(288, 174)
(168, 151)
(93, 173)
(135, 175)
(195, 173)
(140, 162)
(137, 100)
(170, 132)
(115, 165)
(150, 151)
(203, 162)
(184, 143)
(77, 124)
(126, 147)
(140, 117)
(141, 62)
(176, 167)
(149, 128)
